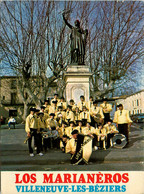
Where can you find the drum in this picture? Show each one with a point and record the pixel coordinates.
(119, 140)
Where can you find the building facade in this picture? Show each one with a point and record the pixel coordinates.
(11, 103)
(134, 102)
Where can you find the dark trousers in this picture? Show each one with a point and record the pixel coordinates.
(106, 117)
(123, 129)
(94, 142)
(36, 137)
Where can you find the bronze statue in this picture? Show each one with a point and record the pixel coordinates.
(78, 41)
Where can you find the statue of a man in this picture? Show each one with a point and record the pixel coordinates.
(78, 41)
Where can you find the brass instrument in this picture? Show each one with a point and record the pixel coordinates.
(25, 141)
(97, 118)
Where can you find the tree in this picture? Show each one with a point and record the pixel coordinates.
(115, 44)
(33, 42)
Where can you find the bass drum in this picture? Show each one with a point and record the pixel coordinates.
(119, 140)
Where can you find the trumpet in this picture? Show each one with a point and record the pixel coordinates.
(26, 139)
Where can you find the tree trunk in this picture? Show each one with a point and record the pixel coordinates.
(25, 112)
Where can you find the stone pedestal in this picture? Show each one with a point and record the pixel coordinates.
(77, 79)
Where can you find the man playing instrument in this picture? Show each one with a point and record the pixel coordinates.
(70, 129)
(55, 98)
(32, 128)
(53, 108)
(62, 103)
(91, 131)
(69, 114)
(97, 115)
(110, 131)
(80, 127)
(60, 115)
(123, 121)
(82, 103)
(107, 108)
(85, 116)
(101, 136)
(76, 116)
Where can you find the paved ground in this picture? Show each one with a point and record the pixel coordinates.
(14, 154)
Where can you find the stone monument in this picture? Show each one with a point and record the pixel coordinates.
(77, 76)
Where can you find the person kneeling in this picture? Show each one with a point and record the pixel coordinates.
(101, 136)
(80, 148)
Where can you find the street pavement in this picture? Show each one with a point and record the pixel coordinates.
(15, 156)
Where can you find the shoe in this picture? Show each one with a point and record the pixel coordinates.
(40, 154)
(31, 155)
(95, 148)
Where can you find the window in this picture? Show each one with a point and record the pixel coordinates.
(13, 84)
(137, 102)
(12, 113)
(140, 111)
(13, 98)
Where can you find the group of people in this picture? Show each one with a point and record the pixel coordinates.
(70, 127)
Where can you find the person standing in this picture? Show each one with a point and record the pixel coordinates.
(96, 113)
(107, 108)
(123, 121)
(32, 129)
(85, 116)
(82, 103)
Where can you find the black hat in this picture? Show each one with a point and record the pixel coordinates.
(43, 107)
(69, 106)
(62, 98)
(71, 122)
(40, 113)
(74, 132)
(52, 114)
(79, 120)
(65, 136)
(37, 110)
(55, 94)
(105, 99)
(59, 107)
(32, 109)
(109, 120)
(95, 102)
(46, 100)
(63, 122)
(120, 105)
(54, 101)
(82, 96)
(71, 100)
(100, 124)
